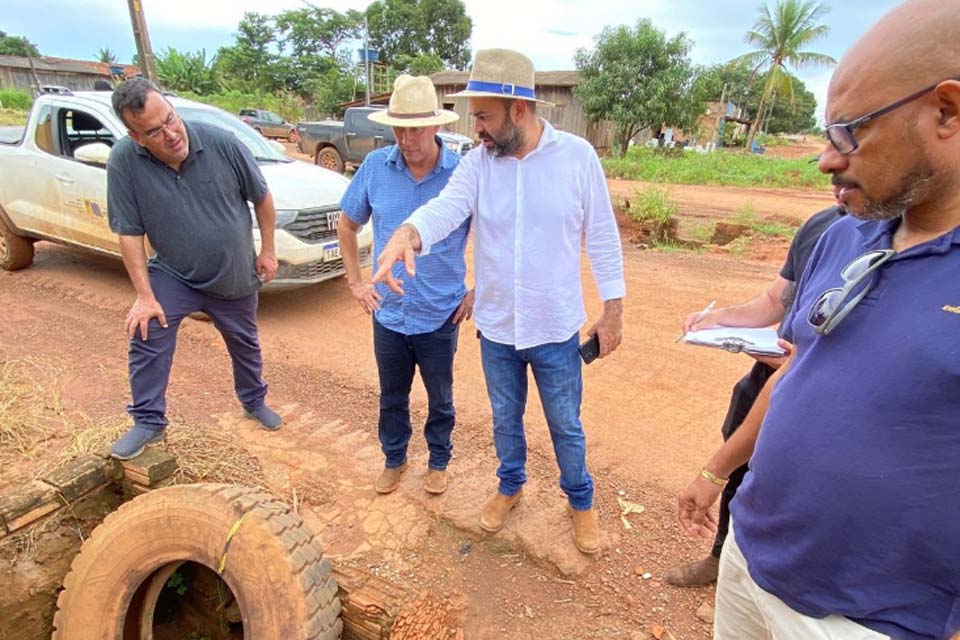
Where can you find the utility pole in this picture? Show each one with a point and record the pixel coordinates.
(142, 37)
(366, 59)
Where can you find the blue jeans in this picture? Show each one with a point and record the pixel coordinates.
(398, 355)
(150, 360)
(556, 369)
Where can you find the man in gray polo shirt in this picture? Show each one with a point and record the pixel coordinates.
(185, 188)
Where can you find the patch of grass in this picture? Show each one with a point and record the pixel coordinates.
(747, 216)
(15, 99)
(702, 232)
(722, 167)
(675, 247)
(739, 246)
(774, 229)
(653, 203)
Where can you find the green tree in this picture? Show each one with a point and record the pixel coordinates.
(315, 38)
(316, 33)
(185, 71)
(783, 116)
(107, 56)
(17, 46)
(780, 38)
(248, 63)
(422, 65)
(421, 27)
(639, 79)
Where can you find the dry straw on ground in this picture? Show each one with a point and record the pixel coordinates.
(206, 454)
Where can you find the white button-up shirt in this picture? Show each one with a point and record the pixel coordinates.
(529, 218)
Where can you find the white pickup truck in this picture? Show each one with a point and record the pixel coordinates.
(53, 186)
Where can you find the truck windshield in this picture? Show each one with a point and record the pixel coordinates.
(257, 144)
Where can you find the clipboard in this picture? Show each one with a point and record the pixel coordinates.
(759, 342)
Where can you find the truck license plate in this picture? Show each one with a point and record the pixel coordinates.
(331, 252)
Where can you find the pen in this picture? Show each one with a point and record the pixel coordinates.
(701, 316)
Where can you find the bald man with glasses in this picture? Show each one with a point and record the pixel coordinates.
(846, 524)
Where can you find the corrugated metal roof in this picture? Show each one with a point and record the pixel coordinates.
(65, 65)
(542, 78)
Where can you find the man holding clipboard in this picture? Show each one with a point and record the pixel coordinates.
(764, 310)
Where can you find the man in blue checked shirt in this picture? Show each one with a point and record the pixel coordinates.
(420, 328)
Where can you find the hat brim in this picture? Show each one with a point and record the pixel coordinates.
(489, 94)
(440, 117)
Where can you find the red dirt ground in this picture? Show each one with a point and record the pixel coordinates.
(652, 413)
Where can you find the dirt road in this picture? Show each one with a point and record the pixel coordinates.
(651, 412)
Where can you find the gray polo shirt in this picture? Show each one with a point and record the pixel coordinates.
(197, 220)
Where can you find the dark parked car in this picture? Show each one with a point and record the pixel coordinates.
(269, 124)
(334, 145)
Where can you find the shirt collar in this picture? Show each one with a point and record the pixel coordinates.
(447, 159)
(880, 233)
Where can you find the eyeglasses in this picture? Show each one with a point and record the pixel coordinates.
(833, 305)
(170, 121)
(841, 135)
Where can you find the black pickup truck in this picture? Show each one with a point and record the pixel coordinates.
(335, 145)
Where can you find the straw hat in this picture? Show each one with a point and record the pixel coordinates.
(501, 73)
(413, 103)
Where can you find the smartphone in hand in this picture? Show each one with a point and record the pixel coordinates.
(590, 349)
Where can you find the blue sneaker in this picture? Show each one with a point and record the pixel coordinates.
(135, 441)
(267, 417)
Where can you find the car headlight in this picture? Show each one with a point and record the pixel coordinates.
(453, 146)
(285, 217)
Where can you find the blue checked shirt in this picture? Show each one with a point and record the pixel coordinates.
(384, 188)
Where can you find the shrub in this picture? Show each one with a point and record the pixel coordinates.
(15, 99)
(653, 204)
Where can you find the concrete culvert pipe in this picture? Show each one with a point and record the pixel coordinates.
(268, 560)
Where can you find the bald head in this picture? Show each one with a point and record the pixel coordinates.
(912, 46)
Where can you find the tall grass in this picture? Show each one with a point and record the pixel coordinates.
(15, 99)
(722, 167)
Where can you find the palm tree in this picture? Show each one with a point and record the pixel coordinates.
(780, 38)
(107, 56)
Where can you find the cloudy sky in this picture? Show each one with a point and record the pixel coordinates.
(549, 31)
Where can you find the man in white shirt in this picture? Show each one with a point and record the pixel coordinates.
(534, 193)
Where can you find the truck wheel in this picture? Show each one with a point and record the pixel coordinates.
(292, 136)
(329, 158)
(262, 550)
(16, 252)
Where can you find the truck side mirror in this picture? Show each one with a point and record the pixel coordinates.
(93, 153)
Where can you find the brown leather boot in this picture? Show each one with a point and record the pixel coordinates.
(695, 574)
(586, 530)
(436, 481)
(497, 510)
(389, 480)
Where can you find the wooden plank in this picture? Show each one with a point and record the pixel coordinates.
(27, 504)
(79, 476)
(150, 467)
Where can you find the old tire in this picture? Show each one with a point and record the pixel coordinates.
(272, 563)
(16, 252)
(329, 158)
(292, 136)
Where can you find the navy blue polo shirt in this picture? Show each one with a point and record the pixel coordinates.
(197, 219)
(385, 190)
(852, 503)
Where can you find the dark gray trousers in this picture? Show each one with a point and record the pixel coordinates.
(150, 360)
